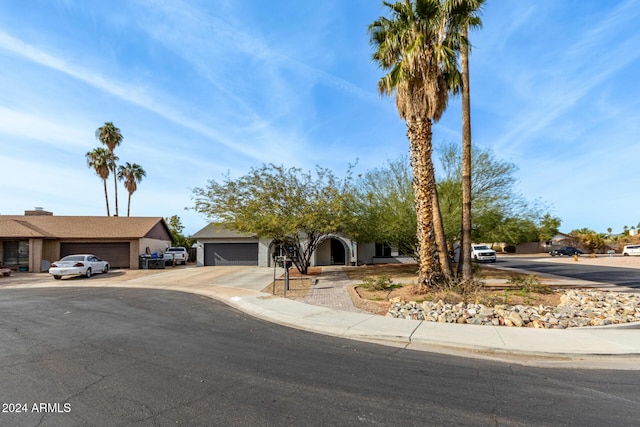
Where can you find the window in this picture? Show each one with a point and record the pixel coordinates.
(15, 252)
(383, 249)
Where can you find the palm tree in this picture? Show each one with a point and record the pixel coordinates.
(101, 161)
(465, 15)
(416, 49)
(110, 136)
(132, 174)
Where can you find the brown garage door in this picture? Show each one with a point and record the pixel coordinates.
(116, 253)
(230, 254)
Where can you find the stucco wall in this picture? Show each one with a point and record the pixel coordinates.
(154, 245)
(322, 255)
(51, 250)
(366, 252)
(35, 255)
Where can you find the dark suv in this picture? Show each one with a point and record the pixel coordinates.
(566, 250)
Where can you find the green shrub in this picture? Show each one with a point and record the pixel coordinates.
(379, 283)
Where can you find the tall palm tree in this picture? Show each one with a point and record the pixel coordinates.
(132, 174)
(110, 136)
(416, 49)
(465, 14)
(101, 161)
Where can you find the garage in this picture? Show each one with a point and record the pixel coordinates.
(117, 253)
(220, 254)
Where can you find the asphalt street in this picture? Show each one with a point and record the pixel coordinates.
(619, 276)
(109, 356)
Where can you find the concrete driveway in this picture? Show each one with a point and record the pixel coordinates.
(253, 278)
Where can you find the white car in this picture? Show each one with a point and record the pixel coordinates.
(482, 253)
(631, 250)
(78, 265)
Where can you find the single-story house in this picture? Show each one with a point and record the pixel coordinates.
(30, 242)
(556, 241)
(218, 245)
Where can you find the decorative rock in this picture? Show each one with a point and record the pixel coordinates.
(515, 319)
(577, 308)
(538, 324)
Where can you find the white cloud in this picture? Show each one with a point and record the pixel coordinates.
(28, 126)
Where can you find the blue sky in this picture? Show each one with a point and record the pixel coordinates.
(202, 88)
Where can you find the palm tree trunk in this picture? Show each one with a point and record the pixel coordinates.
(106, 196)
(464, 266)
(420, 135)
(129, 204)
(115, 185)
(441, 238)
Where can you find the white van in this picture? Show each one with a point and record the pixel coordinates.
(631, 250)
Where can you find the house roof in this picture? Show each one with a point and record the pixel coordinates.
(19, 228)
(218, 231)
(81, 227)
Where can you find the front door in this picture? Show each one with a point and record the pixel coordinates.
(338, 252)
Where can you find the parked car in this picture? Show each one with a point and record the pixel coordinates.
(78, 265)
(631, 250)
(176, 255)
(566, 250)
(482, 253)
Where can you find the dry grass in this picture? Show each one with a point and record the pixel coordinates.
(410, 271)
(395, 271)
(299, 285)
(298, 288)
(378, 301)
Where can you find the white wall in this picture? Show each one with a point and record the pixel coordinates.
(154, 245)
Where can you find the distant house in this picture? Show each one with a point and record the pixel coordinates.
(31, 241)
(556, 241)
(218, 245)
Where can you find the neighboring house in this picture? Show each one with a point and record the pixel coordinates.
(557, 241)
(217, 245)
(30, 242)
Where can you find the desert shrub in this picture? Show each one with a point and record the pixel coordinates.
(510, 249)
(379, 283)
(530, 283)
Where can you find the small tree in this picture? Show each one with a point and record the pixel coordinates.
(589, 239)
(384, 206)
(292, 207)
(549, 227)
(499, 213)
(176, 228)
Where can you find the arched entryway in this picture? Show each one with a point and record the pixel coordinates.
(332, 251)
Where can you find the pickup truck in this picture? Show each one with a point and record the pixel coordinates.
(176, 255)
(481, 253)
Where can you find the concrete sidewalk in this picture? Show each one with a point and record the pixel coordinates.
(602, 347)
